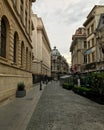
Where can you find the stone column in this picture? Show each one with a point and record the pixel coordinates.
(19, 52)
(10, 44)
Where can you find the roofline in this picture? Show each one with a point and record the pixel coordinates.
(94, 8)
(89, 18)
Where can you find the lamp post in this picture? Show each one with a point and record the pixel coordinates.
(41, 75)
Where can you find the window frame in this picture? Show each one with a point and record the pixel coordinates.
(3, 38)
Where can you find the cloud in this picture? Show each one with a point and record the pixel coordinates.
(61, 19)
(101, 1)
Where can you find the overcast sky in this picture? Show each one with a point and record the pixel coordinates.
(61, 18)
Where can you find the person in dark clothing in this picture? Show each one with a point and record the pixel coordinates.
(46, 79)
(40, 82)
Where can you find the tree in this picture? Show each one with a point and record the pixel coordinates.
(98, 82)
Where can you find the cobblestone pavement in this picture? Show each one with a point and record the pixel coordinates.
(60, 109)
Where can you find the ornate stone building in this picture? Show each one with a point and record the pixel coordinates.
(77, 49)
(41, 50)
(91, 24)
(88, 50)
(15, 46)
(100, 43)
(59, 65)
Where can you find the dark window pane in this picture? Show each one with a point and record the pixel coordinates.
(3, 39)
(15, 44)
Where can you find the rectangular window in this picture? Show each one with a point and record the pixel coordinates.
(88, 58)
(93, 57)
(88, 44)
(29, 27)
(88, 31)
(85, 59)
(92, 28)
(85, 45)
(26, 19)
(92, 41)
(21, 8)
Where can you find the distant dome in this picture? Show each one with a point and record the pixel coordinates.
(55, 52)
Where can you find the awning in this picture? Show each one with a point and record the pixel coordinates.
(65, 76)
(90, 51)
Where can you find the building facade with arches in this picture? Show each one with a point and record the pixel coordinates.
(15, 46)
(41, 63)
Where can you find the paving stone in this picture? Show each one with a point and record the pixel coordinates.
(60, 109)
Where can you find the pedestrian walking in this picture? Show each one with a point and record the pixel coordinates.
(40, 82)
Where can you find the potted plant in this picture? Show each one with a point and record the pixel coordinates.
(21, 92)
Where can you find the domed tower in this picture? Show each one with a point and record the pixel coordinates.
(55, 52)
(55, 63)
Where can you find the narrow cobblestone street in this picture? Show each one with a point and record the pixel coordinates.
(60, 109)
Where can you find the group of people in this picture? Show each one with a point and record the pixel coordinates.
(44, 79)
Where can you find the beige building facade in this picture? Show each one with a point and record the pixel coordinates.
(41, 50)
(100, 43)
(87, 50)
(91, 25)
(15, 46)
(77, 49)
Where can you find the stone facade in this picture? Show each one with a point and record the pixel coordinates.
(100, 43)
(91, 25)
(59, 65)
(41, 50)
(78, 46)
(15, 46)
(87, 51)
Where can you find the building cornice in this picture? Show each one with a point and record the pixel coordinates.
(42, 28)
(92, 13)
(88, 20)
(96, 6)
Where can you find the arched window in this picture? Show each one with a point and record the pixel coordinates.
(3, 39)
(30, 60)
(22, 52)
(26, 57)
(15, 47)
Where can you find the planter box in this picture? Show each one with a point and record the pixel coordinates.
(20, 94)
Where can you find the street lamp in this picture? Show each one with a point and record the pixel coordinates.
(41, 75)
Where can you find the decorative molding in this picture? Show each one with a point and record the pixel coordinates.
(10, 75)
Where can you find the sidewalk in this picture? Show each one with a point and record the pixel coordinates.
(16, 114)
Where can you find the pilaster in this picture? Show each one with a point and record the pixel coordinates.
(18, 6)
